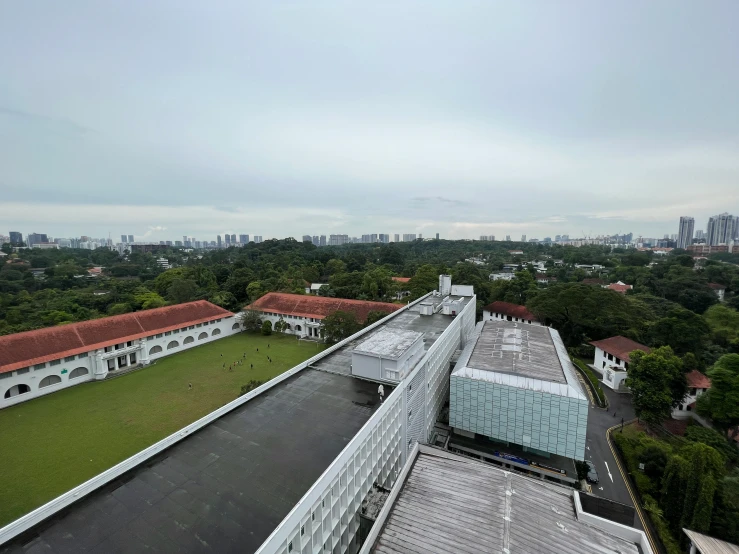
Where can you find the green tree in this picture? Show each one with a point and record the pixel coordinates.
(250, 320)
(339, 325)
(682, 329)
(145, 299)
(182, 290)
(266, 328)
(254, 291)
(118, 309)
(705, 467)
(280, 325)
(721, 401)
(373, 316)
(657, 383)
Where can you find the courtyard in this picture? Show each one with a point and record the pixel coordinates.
(53, 443)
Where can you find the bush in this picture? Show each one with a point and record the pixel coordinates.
(600, 396)
(698, 433)
(250, 386)
(266, 328)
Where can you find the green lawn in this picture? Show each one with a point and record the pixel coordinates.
(51, 444)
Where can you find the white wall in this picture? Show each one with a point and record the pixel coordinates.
(613, 370)
(303, 322)
(683, 411)
(489, 316)
(96, 361)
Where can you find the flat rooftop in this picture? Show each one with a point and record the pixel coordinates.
(526, 356)
(226, 487)
(389, 343)
(518, 349)
(452, 504)
(431, 326)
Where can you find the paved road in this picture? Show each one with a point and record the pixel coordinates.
(611, 486)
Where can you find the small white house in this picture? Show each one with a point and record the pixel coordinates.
(698, 384)
(313, 288)
(719, 290)
(612, 359)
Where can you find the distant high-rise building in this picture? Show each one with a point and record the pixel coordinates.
(218, 240)
(338, 240)
(306, 238)
(16, 238)
(409, 237)
(523, 238)
(184, 239)
(316, 240)
(322, 241)
(124, 239)
(383, 238)
(227, 239)
(397, 237)
(37, 238)
(178, 243)
(508, 238)
(233, 239)
(420, 236)
(685, 232)
(487, 237)
(437, 236)
(722, 228)
(244, 239)
(700, 235)
(258, 239)
(130, 238)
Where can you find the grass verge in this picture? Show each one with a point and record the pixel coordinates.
(593, 380)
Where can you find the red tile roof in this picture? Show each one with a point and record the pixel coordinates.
(401, 279)
(696, 380)
(317, 306)
(620, 287)
(593, 281)
(44, 345)
(717, 286)
(513, 310)
(620, 346)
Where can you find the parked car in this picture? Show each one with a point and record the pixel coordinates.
(592, 476)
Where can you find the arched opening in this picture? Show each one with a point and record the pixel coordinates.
(173, 344)
(155, 350)
(188, 340)
(78, 372)
(235, 326)
(16, 390)
(50, 380)
(215, 332)
(202, 336)
(298, 328)
(288, 327)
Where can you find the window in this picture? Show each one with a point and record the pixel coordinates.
(198, 325)
(7, 375)
(159, 336)
(37, 366)
(83, 355)
(176, 331)
(155, 350)
(16, 390)
(610, 357)
(122, 361)
(692, 392)
(69, 359)
(129, 343)
(22, 370)
(50, 380)
(119, 346)
(55, 362)
(618, 362)
(111, 364)
(108, 348)
(167, 333)
(132, 358)
(78, 372)
(151, 337)
(188, 340)
(202, 336)
(173, 344)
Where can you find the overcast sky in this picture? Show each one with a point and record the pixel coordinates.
(164, 118)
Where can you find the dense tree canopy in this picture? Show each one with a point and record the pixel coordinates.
(657, 383)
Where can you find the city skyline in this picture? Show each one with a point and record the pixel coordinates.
(575, 134)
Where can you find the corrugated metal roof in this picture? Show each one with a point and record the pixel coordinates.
(710, 545)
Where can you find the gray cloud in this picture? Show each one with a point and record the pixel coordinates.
(291, 119)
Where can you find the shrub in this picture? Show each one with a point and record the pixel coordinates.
(266, 328)
(250, 386)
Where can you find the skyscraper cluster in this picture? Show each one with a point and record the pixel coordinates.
(721, 229)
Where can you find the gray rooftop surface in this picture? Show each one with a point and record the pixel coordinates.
(432, 326)
(388, 343)
(517, 349)
(224, 488)
(463, 506)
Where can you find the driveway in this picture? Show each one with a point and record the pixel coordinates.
(611, 484)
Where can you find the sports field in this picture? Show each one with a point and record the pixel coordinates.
(51, 444)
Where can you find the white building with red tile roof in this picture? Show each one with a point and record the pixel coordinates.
(38, 362)
(698, 384)
(506, 311)
(303, 314)
(612, 359)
